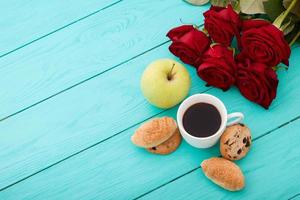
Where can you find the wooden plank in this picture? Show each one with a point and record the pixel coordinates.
(114, 167)
(76, 119)
(23, 22)
(87, 48)
(271, 170)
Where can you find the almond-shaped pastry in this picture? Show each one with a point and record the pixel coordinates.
(154, 132)
(168, 146)
(235, 142)
(224, 173)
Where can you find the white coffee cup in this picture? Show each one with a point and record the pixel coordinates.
(206, 142)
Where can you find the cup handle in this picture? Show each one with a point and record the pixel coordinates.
(238, 115)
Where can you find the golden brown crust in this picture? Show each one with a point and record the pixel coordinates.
(224, 173)
(235, 142)
(168, 146)
(154, 132)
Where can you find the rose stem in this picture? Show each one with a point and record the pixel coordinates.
(291, 6)
(278, 21)
(170, 75)
(294, 39)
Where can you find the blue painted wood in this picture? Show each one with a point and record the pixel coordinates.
(60, 133)
(78, 118)
(115, 168)
(271, 172)
(87, 48)
(22, 22)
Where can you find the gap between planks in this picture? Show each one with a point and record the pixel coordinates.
(87, 148)
(63, 27)
(199, 167)
(83, 81)
(95, 144)
(295, 196)
(91, 77)
(118, 133)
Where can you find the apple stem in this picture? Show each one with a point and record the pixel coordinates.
(170, 75)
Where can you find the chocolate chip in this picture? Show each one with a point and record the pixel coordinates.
(239, 151)
(232, 143)
(229, 156)
(248, 143)
(227, 142)
(242, 124)
(234, 157)
(153, 148)
(244, 140)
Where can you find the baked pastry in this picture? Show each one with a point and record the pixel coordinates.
(168, 146)
(154, 132)
(235, 142)
(224, 173)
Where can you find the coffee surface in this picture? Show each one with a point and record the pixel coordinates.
(202, 120)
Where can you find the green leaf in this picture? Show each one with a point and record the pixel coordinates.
(197, 2)
(252, 6)
(273, 8)
(287, 27)
(279, 67)
(280, 19)
(224, 3)
(289, 37)
(295, 10)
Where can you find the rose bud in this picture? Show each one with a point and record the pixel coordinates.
(188, 44)
(256, 81)
(265, 43)
(222, 24)
(218, 67)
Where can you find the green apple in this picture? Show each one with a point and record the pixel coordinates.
(165, 83)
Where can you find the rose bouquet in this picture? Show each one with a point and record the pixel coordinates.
(251, 64)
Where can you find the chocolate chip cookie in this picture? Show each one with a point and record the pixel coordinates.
(235, 142)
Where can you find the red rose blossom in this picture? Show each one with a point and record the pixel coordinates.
(178, 32)
(188, 44)
(265, 43)
(218, 67)
(256, 81)
(222, 24)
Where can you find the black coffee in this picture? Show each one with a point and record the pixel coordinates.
(202, 120)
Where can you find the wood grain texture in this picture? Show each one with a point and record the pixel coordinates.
(115, 168)
(271, 172)
(87, 48)
(25, 21)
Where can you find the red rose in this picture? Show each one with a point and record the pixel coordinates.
(218, 67)
(188, 44)
(179, 31)
(222, 24)
(256, 81)
(265, 43)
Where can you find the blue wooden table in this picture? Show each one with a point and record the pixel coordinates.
(70, 100)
